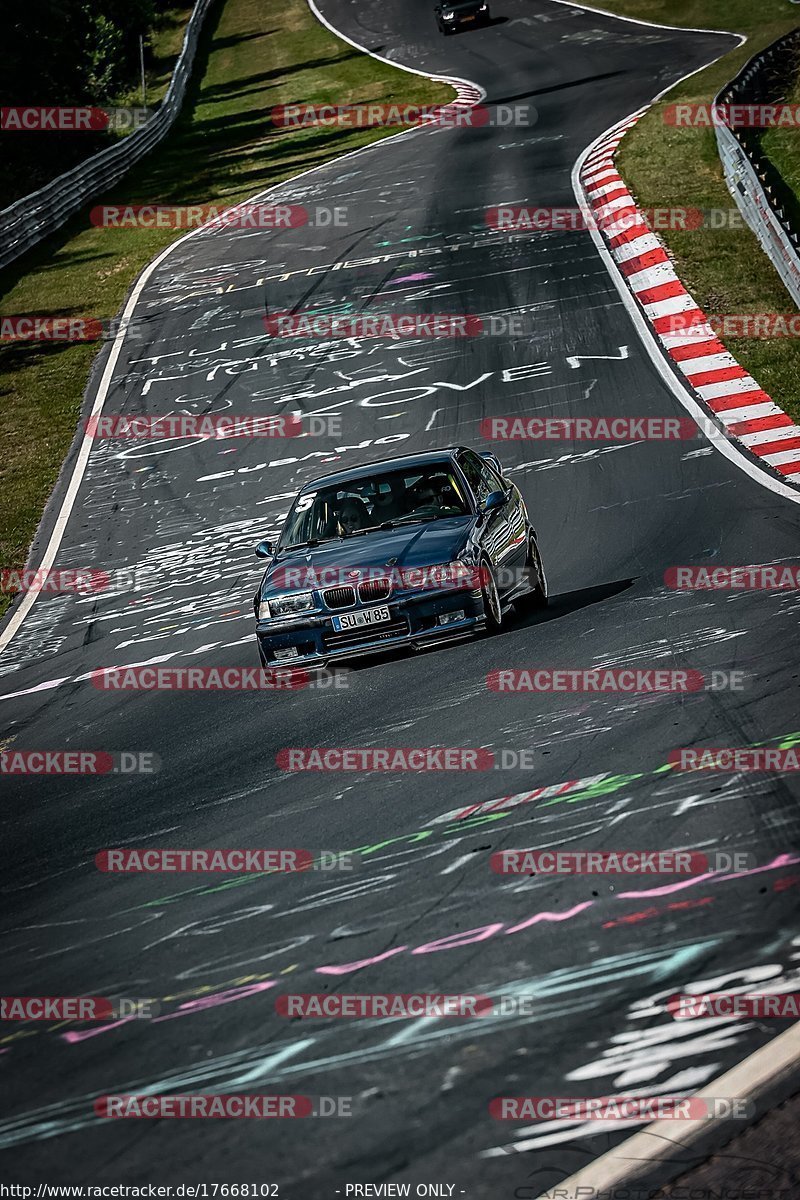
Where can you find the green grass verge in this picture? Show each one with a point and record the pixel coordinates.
(222, 150)
(725, 269)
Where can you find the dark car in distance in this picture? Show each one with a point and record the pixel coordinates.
(403, 552)
(450, 17)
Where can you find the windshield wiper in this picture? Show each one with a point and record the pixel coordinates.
(373, 528)
(300, 545)
(411, 520)
(390, 525)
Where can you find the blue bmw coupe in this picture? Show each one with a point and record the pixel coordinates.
(404, 552)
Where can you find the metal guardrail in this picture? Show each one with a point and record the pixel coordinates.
(765, 201)
(29, 220)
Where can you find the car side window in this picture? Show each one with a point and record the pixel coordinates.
(493, 480)
(480, 476)
(471, 466)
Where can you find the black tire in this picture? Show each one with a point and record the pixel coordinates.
(491, 598)
(536, 598)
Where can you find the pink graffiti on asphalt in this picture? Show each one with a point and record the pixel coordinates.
(451, 941)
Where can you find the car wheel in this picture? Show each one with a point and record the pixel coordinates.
(537, 596)
(491, 598)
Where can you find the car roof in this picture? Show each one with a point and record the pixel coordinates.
(405, 462)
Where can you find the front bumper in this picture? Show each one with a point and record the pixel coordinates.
(414, 621)
(471, 19)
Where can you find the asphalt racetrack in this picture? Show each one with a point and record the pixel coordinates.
(422, 911)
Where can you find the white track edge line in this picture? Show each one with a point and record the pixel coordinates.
(655, 1142)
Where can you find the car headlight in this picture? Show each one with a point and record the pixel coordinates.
(441, 575)
(285, 606)
(448, 16)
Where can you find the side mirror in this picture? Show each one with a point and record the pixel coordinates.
(265, 550)
(494, 500)
(493, 459)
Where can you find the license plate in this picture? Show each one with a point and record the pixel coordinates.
(467, 18)
(367, 616)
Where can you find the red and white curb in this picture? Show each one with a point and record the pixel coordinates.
(467, 93)
(721, 385)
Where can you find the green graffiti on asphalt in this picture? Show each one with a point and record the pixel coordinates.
(602, 787)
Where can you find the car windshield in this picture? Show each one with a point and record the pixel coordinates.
(382, 500)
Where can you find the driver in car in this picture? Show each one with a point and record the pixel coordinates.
(437, 492)
(352, 515)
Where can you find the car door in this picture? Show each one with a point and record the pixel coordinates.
(514, 548)
(502, 531)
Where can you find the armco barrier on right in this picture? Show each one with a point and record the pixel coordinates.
(764, 199)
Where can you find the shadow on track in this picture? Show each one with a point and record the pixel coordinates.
(560, 606)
